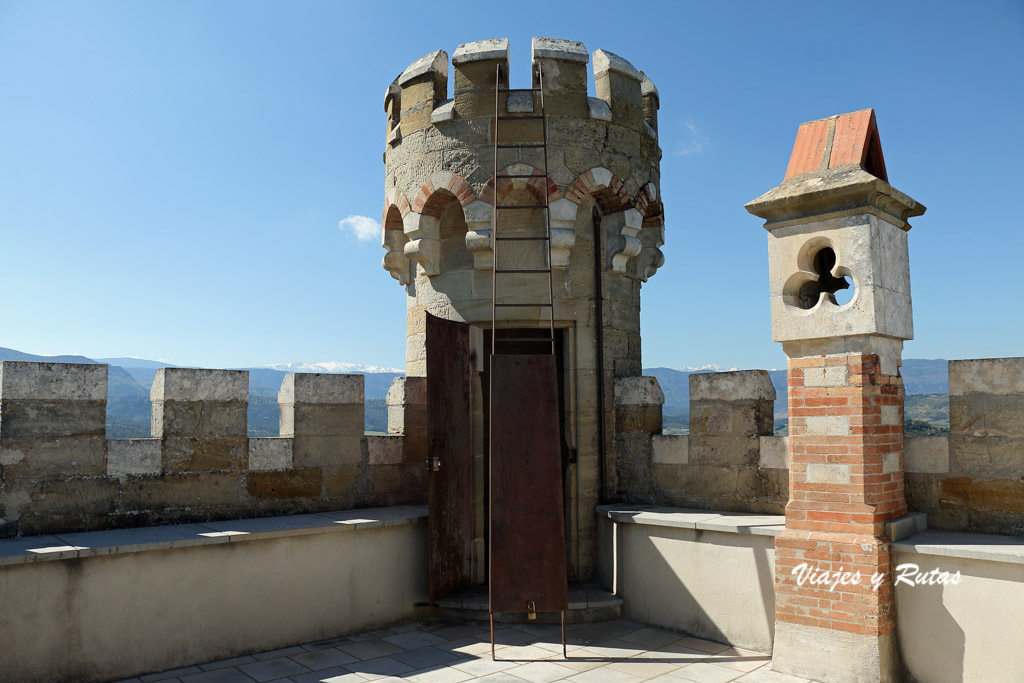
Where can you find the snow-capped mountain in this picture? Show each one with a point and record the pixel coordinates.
(331, 366)
(710, 367)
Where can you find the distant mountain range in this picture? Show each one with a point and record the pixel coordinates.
(129, 381)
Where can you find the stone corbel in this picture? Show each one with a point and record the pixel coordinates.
(629, 244)
(395, 261)
(478, 234)
(563, 231)
(424, 245)
(653, 236)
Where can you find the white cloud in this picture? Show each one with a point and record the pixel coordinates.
(693, 140)
(363, 228)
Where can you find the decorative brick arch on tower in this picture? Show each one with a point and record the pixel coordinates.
(607, 189)
(422, 224)
(393, 238)
(478, 215)
(433, 194)
(618, 210)
(534, 185)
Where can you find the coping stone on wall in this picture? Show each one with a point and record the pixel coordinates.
(685, 518)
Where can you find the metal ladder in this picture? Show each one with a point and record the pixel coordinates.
(496, 303)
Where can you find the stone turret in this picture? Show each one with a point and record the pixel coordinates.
(602, 169)
(439, 160)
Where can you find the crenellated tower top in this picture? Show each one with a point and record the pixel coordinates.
(439, 147)
(441, 162)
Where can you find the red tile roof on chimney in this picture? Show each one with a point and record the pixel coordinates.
(838, 141)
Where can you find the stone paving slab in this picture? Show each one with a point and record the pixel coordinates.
(449, 651)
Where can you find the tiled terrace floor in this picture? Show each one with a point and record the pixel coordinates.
(445, 651)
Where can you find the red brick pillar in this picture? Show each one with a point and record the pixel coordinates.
(846, 482)
(841, 307)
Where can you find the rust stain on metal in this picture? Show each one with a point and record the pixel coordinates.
(527, 538)
(450, 463)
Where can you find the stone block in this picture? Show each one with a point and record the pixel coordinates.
(771, 487)
(986, 458)
(998, 376)
(619, 84)
(774, 452)
(56, 457)
(670, 449)
(199, 419)
(633, 464)
(731, 418)
(77, 504)
(270, 453)
(322, 388)
(738, 385)
(827, 425)
(52, 418)
(870, 251)
(987, 415)
(667, 477)
(295, 483)
(341, 482)
(188, 454)
(133, 456)
(724, 450)
(384, 479)
(638, 391)
(194, 384)
(21, 380)
(999, 495)
(327, 451)
(707, 481)
(926, 454)
(385, 450)
(318, 419)
(922, 491)
(829, 376)
(827, 473)
(407, 406)
(168, 491)
(638, 418)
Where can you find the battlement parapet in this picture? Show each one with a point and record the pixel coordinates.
(612, 136)
(59, 473)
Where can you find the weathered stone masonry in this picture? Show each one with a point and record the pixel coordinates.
(602, 153)
(59, 473)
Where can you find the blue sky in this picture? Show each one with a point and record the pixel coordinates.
(173, 174)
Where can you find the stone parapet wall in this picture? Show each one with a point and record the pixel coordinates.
(106, 605)
(729, 461)
(59, 472)
(973, 480)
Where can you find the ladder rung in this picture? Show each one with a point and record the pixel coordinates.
(522, 239)
(510, 206)
(524, 175)
(524, 305)
(523, 270)
(528, 117)
(520, 145)
(525, 339)
(518, 89)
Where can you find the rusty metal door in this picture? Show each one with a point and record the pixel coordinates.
(527, 539)
(449, 492)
